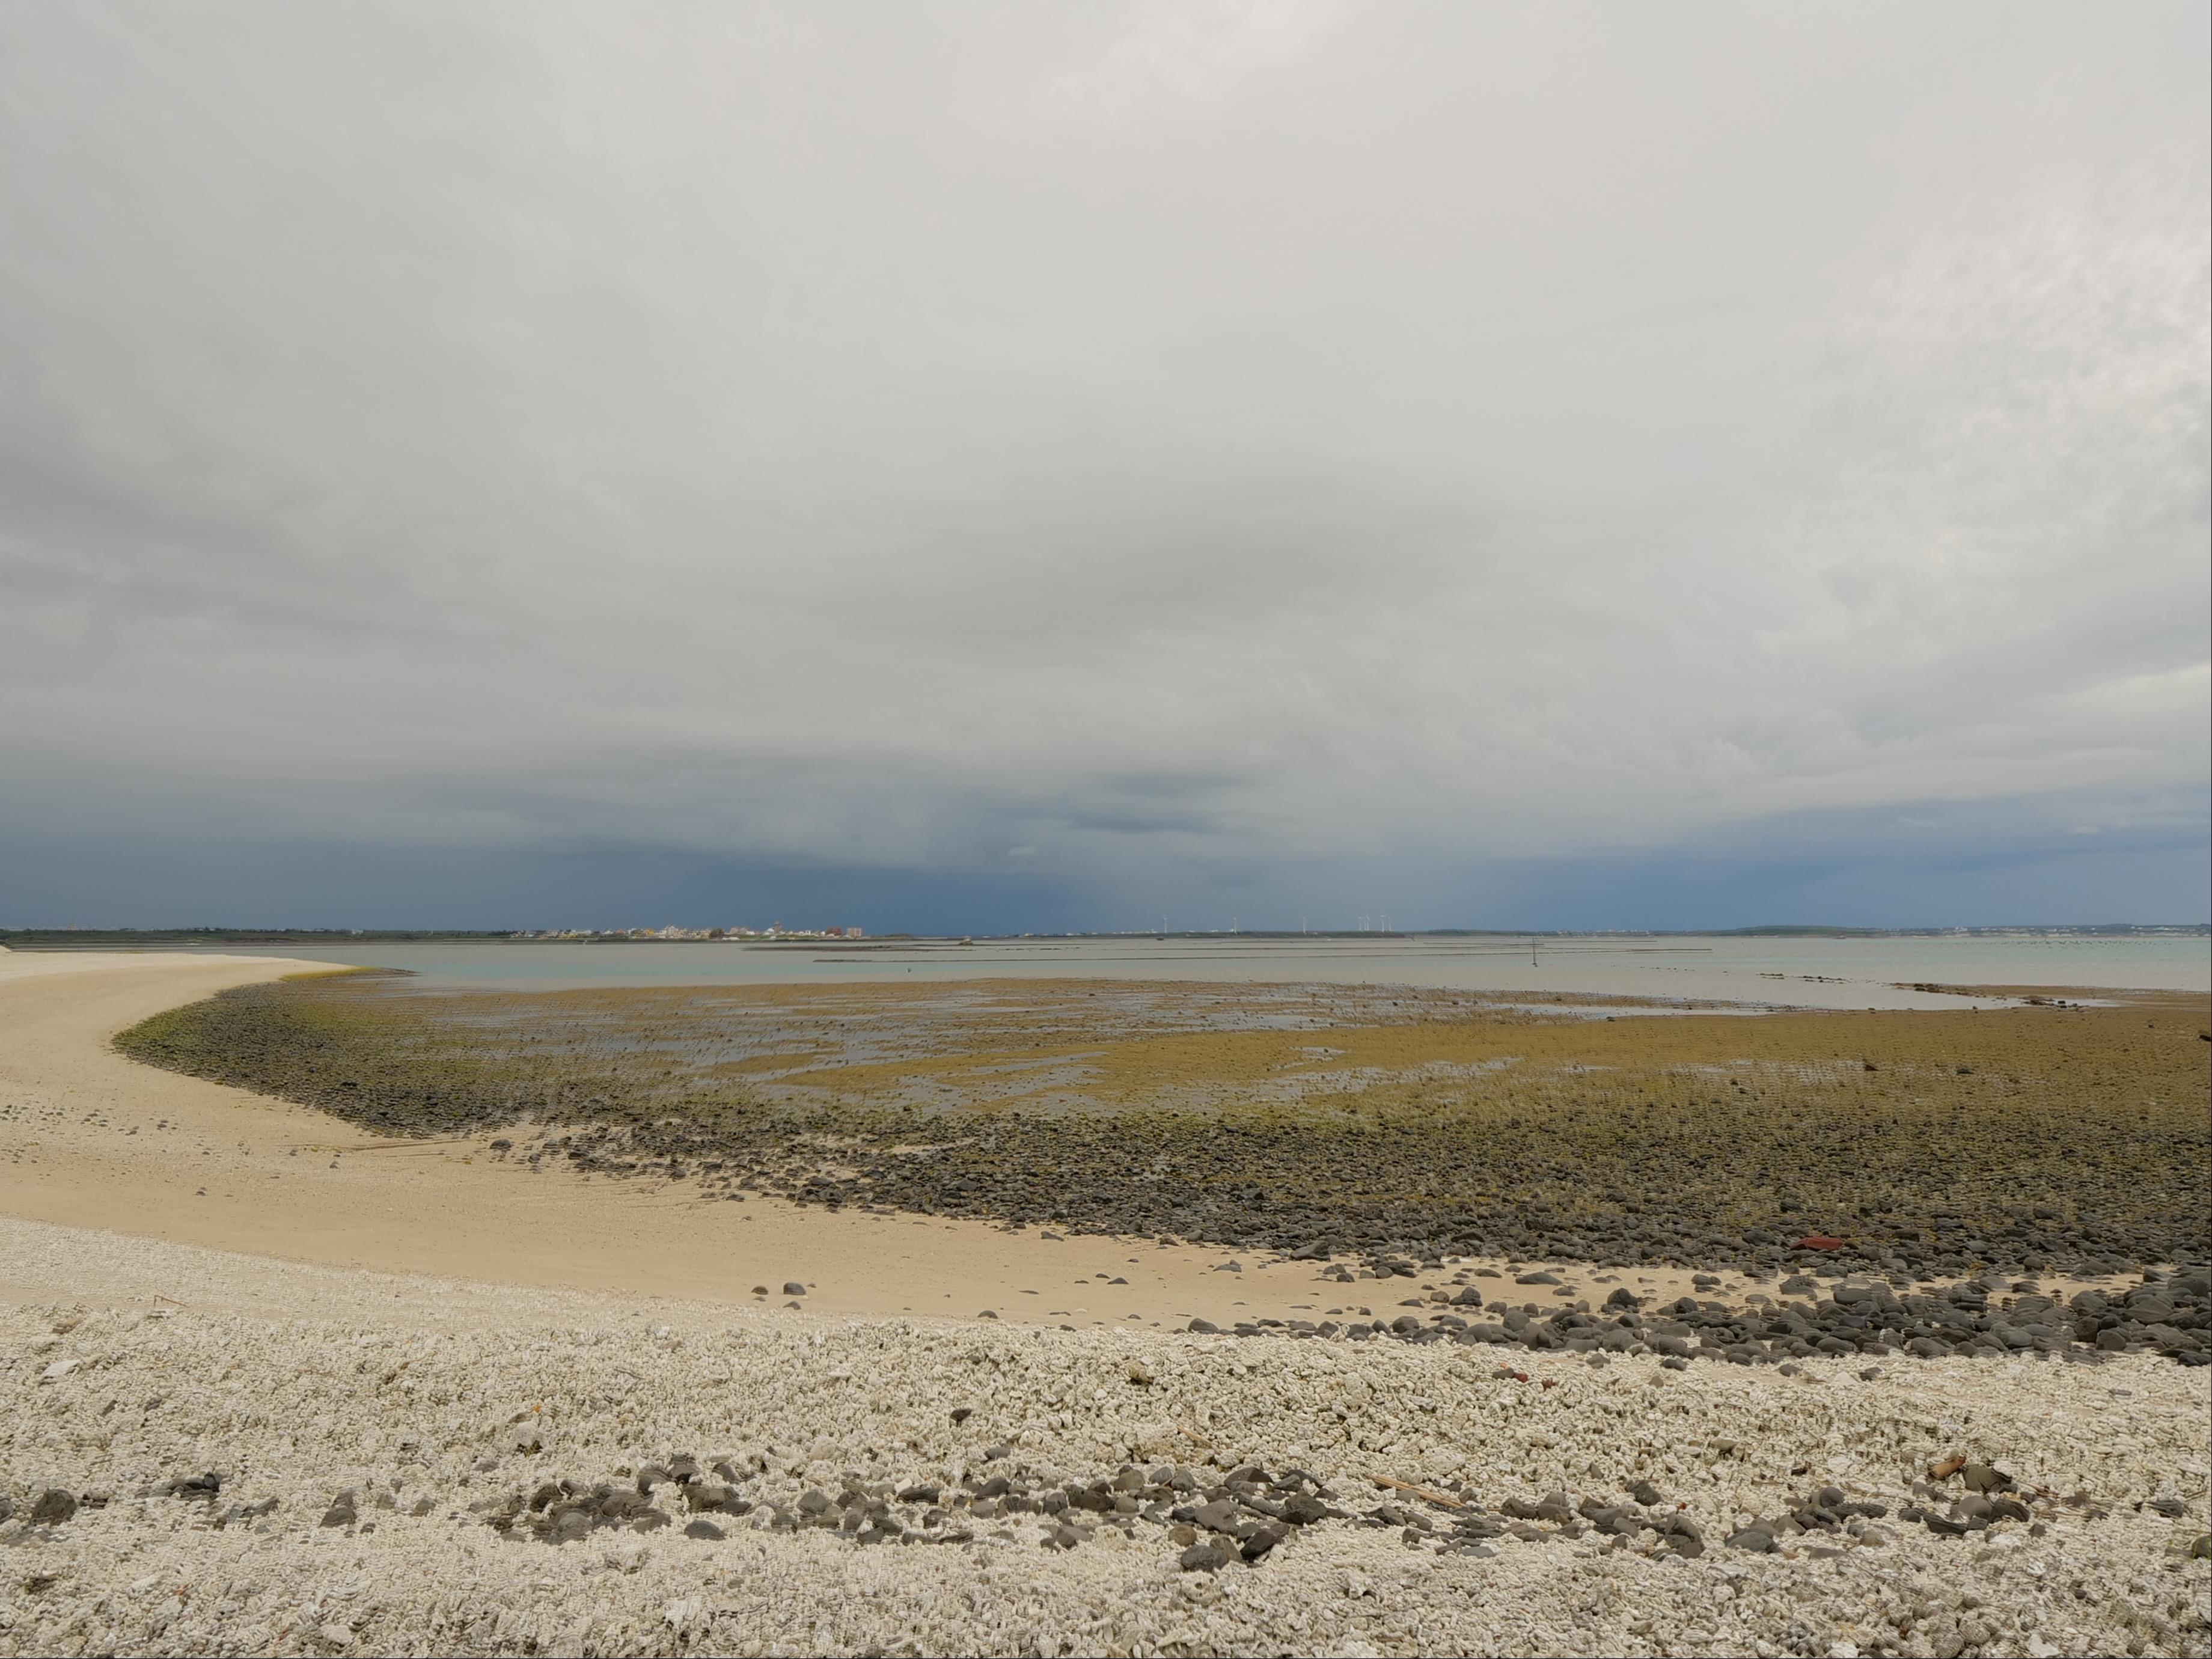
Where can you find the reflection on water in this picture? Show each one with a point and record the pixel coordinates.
(1823, 973)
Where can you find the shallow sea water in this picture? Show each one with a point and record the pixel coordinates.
(1819, 973)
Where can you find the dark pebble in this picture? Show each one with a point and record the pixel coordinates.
(1261, 1541)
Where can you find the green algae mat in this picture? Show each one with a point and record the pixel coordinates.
(1324, 1118)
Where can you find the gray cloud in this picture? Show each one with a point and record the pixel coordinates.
(1183, 444)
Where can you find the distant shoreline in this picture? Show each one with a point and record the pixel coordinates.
(86, 938)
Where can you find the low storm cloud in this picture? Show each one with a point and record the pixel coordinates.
(1019, 466)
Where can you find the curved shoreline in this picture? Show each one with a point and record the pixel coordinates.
(233, 1170)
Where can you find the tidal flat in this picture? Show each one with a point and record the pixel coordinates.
(2064, 1141)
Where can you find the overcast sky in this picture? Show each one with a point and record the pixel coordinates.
(976, 466)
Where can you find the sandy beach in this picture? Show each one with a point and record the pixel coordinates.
(93, 1139)
(392, 1354)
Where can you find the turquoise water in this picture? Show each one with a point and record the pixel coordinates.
(1850, 973)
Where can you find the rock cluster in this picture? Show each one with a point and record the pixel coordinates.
(1825, 1519)
(1974, 1319)
(1217, 1518)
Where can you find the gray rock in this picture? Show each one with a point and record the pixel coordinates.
(1552, 1507)
(793, 1287)
(1261, 1540)
(54, 1507)
(1208, 1557)
(341, 1512)
(1220, 1515)
(703, 1529)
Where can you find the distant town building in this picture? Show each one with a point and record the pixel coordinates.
(775, 930)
